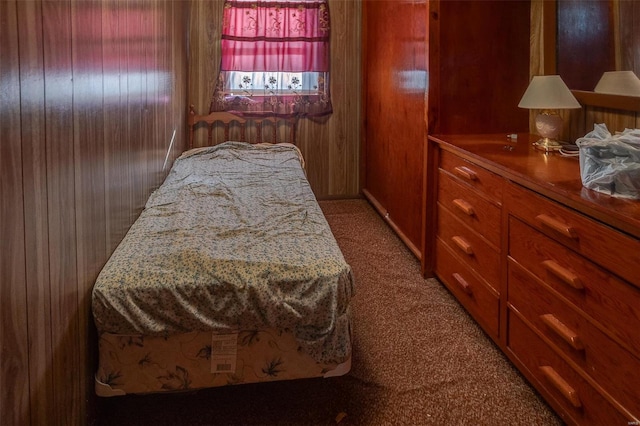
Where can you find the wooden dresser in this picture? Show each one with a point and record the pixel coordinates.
(549, 269)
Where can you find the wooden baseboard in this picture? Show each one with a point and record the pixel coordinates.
(339, 197)
(385, 215)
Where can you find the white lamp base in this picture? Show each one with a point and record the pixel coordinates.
(548, 125)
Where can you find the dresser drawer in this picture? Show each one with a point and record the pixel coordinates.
(471, 208)
(615, 251)
(470, 247)
(468, 288)
(481, 179)
(613, 367)
(554, 377)
(612, 302)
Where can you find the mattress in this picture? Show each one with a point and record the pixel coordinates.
(233, 240)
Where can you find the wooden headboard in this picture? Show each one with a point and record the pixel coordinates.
(227, 120)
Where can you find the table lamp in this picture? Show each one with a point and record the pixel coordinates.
(619, 83)
(548, 93)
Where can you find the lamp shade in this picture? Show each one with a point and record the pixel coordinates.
(548, 92)
(619, 83)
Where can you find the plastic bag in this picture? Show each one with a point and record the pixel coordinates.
(611, 163)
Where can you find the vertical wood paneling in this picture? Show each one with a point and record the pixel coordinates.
(344, 123)
(117, 200)
(536, 38)
(34, 171)
(204, 52)
(634, 38)
(91, 92)
(14, 356)
(330, 147)
(89, 148)
(352, 101)
(178, 78)
(536, 48)
(57, 36)
(147, 68)
(483, 65)
(134, 101)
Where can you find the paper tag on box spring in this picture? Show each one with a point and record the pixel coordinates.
(224, 348)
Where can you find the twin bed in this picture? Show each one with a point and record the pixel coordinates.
(230, 275)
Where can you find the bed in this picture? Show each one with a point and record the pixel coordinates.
(230, 275)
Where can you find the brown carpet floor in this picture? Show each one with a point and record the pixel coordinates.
(418, 358)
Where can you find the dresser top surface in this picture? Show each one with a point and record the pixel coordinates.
(552, 175)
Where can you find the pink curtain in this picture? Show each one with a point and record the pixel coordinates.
(275, 59)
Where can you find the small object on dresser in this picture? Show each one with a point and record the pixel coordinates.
(611, 163)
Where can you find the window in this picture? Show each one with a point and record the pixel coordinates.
(275, 59)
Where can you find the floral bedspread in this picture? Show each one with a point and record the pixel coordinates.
(232, 240)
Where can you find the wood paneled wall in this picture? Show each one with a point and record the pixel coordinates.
(478, 66)
(92, 113)
(331, 148)
(579, 122)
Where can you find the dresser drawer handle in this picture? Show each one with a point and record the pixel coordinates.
(462, 283)
(465, 172)
(568, 335)
(563, 273)
(561, 385)
(558, 226)
(465, 207)
(462, 244)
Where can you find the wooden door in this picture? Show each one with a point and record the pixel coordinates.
(394, 86)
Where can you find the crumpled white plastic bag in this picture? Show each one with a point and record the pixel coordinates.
(611, 163)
